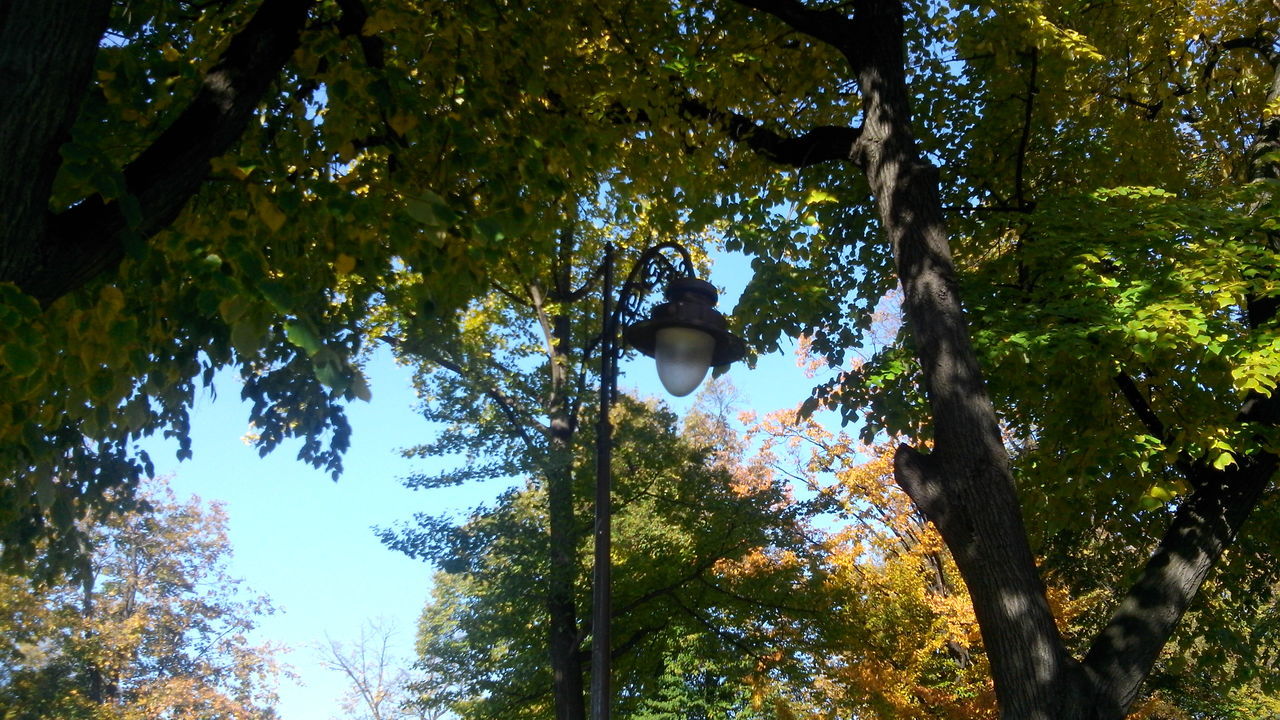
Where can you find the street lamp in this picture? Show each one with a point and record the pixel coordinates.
(686, 336)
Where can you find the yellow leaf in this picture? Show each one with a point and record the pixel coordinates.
(380, 21)
(269, 213)
(344, 264)
(112, 298)
(403, 123)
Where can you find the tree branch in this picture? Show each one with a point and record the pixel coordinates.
(506, 405)
(88, 239)
(1206, 523)
(1025, 139)
(832, 27)
(619, 650)
(819, 145)
(1129, 389)
(715, 631)
(752, 601)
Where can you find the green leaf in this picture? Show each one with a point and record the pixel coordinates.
(819, 196)
(131, 209)
(807, 408)
(22, 360)
(277, 294)
(246, 337)
(100, 385)
(421, 211)
(490, 228)
(430, 209)
(328, 367)
(300, 333)
(360, 387)
(46, 492)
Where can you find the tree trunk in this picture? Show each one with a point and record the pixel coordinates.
(566, 663)
(965, 486)
(47, 49)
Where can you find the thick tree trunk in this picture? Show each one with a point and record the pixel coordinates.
(47, 49)
(965, 485)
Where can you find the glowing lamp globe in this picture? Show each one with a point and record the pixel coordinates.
(686, 336)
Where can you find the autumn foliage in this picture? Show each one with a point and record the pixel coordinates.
(150, 626)
(899, 639)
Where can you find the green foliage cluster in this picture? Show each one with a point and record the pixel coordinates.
(694, 687)
(397, 161)
(1141, 284)
(678, 517)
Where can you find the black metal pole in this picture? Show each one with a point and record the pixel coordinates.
(601, 594)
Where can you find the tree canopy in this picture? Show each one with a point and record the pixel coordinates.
(1076, 200)
(695, 541)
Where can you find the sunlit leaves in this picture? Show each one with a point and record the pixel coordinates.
(1137, 282)
(900, 638)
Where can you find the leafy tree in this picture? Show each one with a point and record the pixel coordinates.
(153, 627)
(899, 638)
(1141, 367)
(196, 186)
(509, 379)
(679, 519)
(203, 185)
(1137, 344)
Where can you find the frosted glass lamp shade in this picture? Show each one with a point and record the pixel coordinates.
(684, 356)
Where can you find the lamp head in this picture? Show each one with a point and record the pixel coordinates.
(686, 335)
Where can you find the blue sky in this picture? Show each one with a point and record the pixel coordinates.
(307, 542)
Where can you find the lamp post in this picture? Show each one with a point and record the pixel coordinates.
(687, 336)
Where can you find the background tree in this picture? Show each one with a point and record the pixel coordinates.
(153, 627)
(679, 518)
(510, 379)
(382, 686)
(899, 639)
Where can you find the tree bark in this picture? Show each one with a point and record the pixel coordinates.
(566, 664)
(47, 48)
(965, 486)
